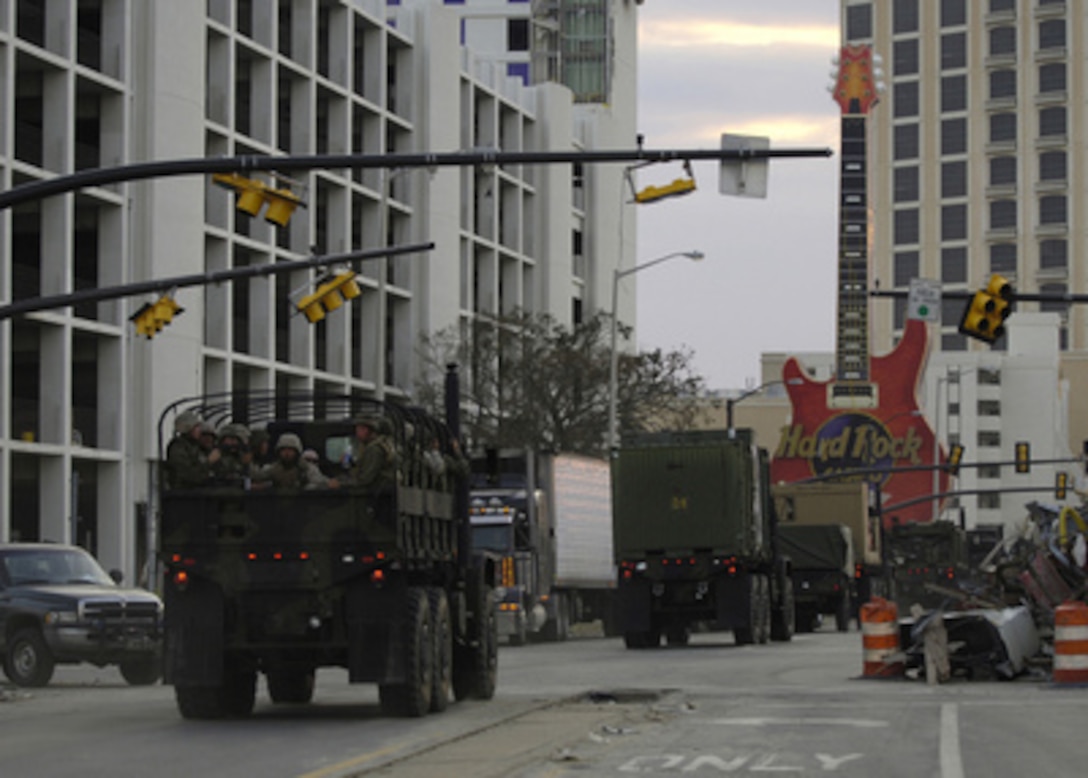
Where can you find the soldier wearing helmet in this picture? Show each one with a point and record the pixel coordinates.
(187, 463)
(290, 470)
(259, 445)
(374, 458)
(235, 463)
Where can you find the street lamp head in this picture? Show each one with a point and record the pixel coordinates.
(695, 255)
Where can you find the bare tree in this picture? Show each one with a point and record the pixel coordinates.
(529, 381)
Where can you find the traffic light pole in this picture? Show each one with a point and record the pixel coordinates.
(163, 285)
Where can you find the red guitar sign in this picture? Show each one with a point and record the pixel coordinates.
(867, 416)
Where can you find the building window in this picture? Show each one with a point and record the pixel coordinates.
(1052, 166)
(1052, 121)
(905, 184)
(954, 179)
(1002, 127)
(1002, 171)
(954, 222)
(517, 34)
(953, 12)
(989, 439)
(905, 99)
(1053, 254)
(859, 21)
(905, 57)
(904, 16)
(1002, 214)
(1002, 41)
(953, 93)
(997, 6)
(954, 266)
(1003, 258)
(954, 51)
(1052, 209)
(951, 312)
(989, 500)
(953, 341)
(989, 376)
(906, 226)
(1052, 34)
(1052, 77)
(989, 407)
(1002, 84)
(906, 141)
(899, 313)
(953, 136)
(989, 471)
(905, 267)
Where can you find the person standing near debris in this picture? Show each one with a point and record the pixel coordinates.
(931, 630)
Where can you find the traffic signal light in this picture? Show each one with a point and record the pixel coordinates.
(1023, 457)
(152, 317)
(1061, 483)
(680, 186)
(955, 454)
(329, 296)
(984, 317)
(254, 195)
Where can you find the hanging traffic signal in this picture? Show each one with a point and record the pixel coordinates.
(1023, 457)
(955, 455)
(984, 317)
(254, 195)
(329, 296)
(152, 317)
(1061, 484)
(679, 186)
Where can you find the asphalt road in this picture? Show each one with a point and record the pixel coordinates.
(587, 707)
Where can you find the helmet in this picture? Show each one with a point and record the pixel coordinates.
(239, 431)
(369, 420)
(289, 440)
(257, 436)
(187, 421)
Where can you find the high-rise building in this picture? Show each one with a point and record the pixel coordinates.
(102, 83)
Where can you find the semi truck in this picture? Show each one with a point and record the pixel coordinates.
(283, 581)
(839, 504)
(694, 532)
(548, 517)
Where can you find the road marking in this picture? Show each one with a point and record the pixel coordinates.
(735, 762)
(951, 759)
(773, 722)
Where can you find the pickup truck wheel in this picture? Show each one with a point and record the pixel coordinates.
(290, 687)
(443, 650)
(412, 697)
(28, 661)
(141, 671)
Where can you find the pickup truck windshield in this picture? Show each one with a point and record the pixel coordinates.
(61, 566)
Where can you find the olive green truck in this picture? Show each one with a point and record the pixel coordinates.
(694, 539)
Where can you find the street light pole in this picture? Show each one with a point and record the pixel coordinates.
(617, 274)
(731, 401)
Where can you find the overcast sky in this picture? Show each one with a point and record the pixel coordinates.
(708, 67)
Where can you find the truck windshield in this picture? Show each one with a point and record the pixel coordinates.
(493, 537)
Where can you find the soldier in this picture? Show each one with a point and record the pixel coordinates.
(374, 458)
(258, 446)
(235, 461)
(290, 470)
(446, 469)
(187, 463)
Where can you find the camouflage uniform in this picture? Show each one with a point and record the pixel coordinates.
(233, 464)
(186, 460)
(292, 474)
(374, 467)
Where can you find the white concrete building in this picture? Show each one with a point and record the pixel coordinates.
(100, 83)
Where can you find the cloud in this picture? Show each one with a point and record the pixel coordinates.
(709, 33)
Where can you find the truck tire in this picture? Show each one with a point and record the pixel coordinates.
(784, 615)
(141, 671)
(562, 617)
(842, 613)
(679, 635)
(650, 639)
(290, 687)
(28, 661)
(233, 699)
(412, 697)
(521, 631)
(442, 674)
(763, 625)
(475, 665)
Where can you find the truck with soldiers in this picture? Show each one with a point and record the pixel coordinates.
(366, 565)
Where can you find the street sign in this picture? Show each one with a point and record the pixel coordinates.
(924, 300)
(744, 177)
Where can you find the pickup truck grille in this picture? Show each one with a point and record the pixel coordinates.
(118, 611)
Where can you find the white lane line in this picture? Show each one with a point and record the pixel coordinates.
(773, 722)
(951, 759)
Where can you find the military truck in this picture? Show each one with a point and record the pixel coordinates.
(282, 582)
(924, 557)
(694, 534)
(822, 563)
(549, 518)
(840, 504)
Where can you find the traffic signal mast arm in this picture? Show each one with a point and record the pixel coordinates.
(142, 287)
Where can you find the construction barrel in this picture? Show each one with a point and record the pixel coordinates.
(880, 639)
(1071, 642)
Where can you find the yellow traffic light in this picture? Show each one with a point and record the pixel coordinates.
(984, 317)
(329, 296)
(1023, 457)
(1061, 484)
(955, 455)
(254, 195)
(680, 186)
(152, 317)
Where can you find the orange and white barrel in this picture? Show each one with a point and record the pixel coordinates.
(1071, 643)
(880, 639)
